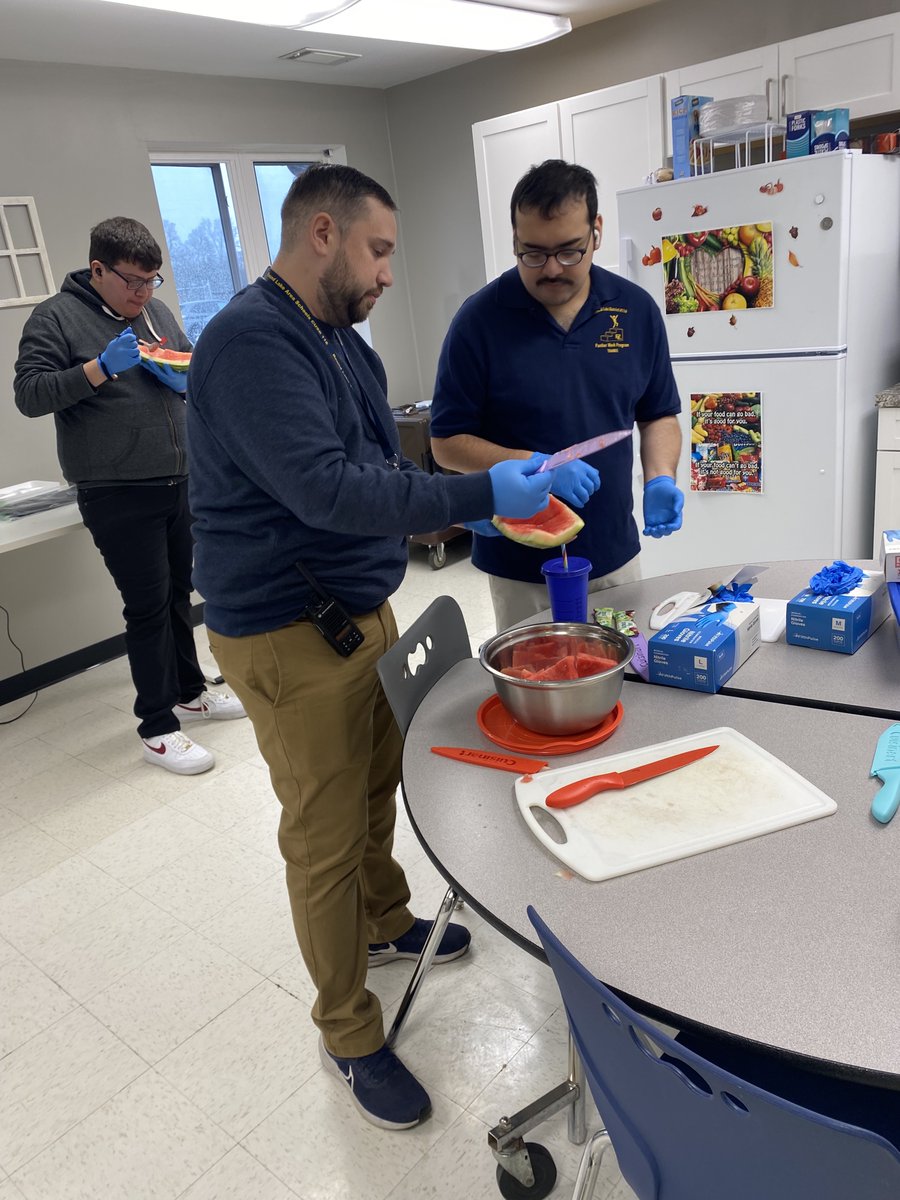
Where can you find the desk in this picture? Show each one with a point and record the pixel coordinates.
(865, 682)
(790, 940)
(38, 527)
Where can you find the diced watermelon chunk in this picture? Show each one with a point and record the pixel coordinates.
(563, 669)
(517, 672)
(592, 664)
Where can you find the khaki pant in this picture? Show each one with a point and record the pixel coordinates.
(514, 601)
(333, 750)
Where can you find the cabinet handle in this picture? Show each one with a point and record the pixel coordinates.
(769, 84)
(784, 80)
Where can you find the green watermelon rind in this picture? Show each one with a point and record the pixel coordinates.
(528, 531)
(165, 358)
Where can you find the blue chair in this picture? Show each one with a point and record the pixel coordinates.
(684, 1128)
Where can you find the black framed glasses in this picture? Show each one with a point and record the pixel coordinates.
(134, 283)
(565, 258)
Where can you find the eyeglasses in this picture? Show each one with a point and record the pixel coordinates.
(565, 258)
(135, 284)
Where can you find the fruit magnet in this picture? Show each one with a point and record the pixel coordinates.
(719, 269)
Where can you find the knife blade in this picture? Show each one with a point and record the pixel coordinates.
(581, 449)
(582, 789)
(487, 758)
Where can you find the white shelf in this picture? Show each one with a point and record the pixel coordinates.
(741, 139)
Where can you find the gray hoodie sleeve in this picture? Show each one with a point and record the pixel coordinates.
(46, 382)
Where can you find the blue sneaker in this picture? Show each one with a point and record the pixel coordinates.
(380, 1086)
(453, 944)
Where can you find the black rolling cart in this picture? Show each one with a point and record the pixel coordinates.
(414, 427)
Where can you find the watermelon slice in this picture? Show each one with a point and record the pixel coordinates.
(563, 669)
(592, 664)
(178, 360)
(552, 526)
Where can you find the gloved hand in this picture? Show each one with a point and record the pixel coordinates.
(483, 528)
(518, 490)
(121, 354)
(575, 482)
(165, 373)
(663, 502)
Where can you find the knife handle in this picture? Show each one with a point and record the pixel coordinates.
(887, 801)
(583, 789)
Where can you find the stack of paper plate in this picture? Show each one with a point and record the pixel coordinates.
(725, 116)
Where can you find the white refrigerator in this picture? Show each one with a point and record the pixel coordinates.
(784, 279)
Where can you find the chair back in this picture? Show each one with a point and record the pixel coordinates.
(435, 642)
(685, 1129)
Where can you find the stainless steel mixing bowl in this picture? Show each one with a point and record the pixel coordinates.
(564, 706)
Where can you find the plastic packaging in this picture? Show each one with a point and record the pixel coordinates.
(724, 116)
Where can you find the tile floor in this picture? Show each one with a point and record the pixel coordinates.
(155, 1041)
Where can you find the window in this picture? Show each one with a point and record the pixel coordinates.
(222, 220)
(24, 267)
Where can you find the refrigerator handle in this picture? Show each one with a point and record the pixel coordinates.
(626, 259)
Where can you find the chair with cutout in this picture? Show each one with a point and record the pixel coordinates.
(683, 1128)
(435, 642)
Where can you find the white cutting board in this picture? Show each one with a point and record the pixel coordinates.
(738, 792)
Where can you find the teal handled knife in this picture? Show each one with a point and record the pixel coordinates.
(886, 765)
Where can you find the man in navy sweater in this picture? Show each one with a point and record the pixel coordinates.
(298, 487)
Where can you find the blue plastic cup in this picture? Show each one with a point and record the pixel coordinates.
(568, 588)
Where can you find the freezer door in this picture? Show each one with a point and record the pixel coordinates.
(816, 471)
(810, 247)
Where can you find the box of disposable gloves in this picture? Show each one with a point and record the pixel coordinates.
(702, 648)
(841, 609)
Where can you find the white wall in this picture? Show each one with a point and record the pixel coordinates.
(76, 139)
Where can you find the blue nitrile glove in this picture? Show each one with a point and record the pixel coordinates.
(165, 373)
(518, 490)
(121, 354)
(484, 528)
(575, 482)
(663, 502)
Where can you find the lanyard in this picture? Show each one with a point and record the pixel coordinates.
(356, 389)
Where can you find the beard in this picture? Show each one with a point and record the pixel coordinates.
(341, 301)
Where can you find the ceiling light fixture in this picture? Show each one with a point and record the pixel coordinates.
(461, 23)
(308, 55)
(257, 12)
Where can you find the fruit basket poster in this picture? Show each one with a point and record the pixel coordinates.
(726, 442)
(710, 270)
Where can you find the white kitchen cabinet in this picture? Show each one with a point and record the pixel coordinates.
(751, 73)
(617, 133)
(505, 147)
(887, 475)
(855, 66)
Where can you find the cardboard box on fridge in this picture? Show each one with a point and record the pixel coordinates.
(702, 649)
(891, 555)
(685, 125)
(838, 623)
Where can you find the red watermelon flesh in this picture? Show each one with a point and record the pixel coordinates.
(563, 669)
(550, 527)
(179, 360)
(592, 664)
(517, 672)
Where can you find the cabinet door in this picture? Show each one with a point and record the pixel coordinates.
(505, 147)
(617, 134)
(856, 66)
(887, 496)
(752, 73)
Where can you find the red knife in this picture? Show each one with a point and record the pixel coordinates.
(582, 789)
(487, 758)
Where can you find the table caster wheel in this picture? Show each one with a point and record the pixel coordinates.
(437, 556)
(544, 1169)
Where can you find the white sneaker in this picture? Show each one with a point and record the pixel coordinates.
(210, 706)
(176, 752)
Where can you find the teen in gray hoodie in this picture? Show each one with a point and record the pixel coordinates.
(120, 435)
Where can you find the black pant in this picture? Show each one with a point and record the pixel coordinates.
(144, 535)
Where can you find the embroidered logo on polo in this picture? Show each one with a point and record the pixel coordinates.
(612, 339)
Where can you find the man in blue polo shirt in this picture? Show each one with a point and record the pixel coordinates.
(551, 353)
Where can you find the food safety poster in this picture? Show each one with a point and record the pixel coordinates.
(714, 270)
(726, 442)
